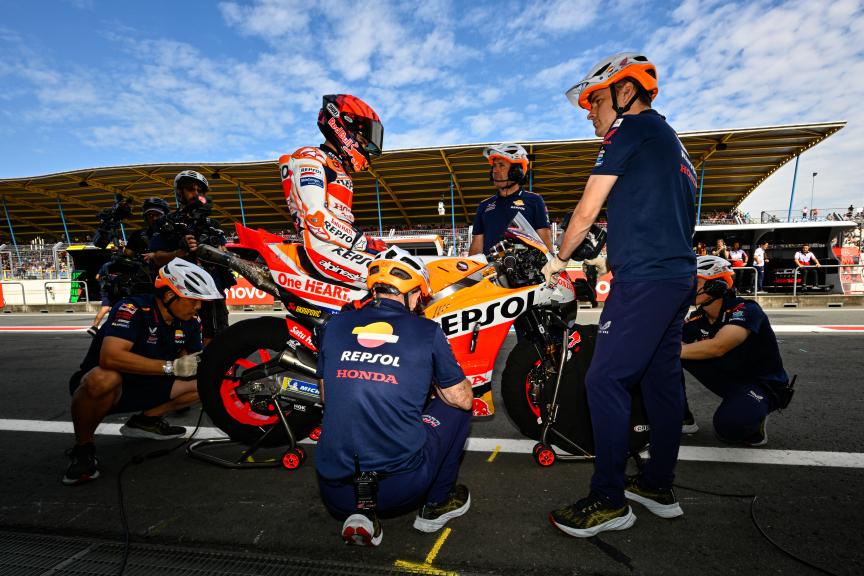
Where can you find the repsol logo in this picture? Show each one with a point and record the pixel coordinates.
(338, 231)
(370, 358)
(465, 320)
(366, 375)
(352, 256)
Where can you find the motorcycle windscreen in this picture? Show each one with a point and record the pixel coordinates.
(521, 229)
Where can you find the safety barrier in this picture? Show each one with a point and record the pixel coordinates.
(20, 285)
(70, 282)
(860, 268)
(755, 277)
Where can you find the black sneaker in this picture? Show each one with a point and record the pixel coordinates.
(761, 437)
(432, 517)
(93, 330)
(83, 465)
(688, 425)
(361, 530)
(662, 503)
(592, 515)
(152, 427)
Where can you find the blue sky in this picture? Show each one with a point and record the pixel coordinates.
(97, 83)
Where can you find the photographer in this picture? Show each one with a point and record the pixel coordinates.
(180, 233)
(145, 358)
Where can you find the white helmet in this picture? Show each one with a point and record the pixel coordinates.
(188, 280)
(193, 175)
(511, 152)
(714, 267)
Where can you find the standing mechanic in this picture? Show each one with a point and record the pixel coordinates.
(190, 191)
(145, 357)
(385, 447)
(729, 347)
(319, 190)
(645, 173)
(508, 174)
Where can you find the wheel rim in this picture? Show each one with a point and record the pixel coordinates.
(238, 408)
(291, 460)
(546, 458)
(535, 409)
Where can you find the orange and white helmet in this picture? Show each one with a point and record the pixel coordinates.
(714, 268)
(187, 280)
(611, 70)
(510, 152)
(398, 269)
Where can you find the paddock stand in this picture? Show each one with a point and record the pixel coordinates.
(291, 459)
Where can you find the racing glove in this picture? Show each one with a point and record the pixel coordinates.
(187, 366)
(553, 267)
(375, 245)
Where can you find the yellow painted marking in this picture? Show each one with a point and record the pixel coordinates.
(418, 568)
(426, 567)
(438, 544)
(494, 454)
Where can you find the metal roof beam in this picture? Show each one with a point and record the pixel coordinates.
(246, 188)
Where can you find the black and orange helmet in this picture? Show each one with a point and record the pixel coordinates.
(398, 269)
(341, 120)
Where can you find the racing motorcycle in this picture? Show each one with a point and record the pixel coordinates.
(257, 379)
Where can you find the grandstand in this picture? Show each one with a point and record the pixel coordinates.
(403, 188)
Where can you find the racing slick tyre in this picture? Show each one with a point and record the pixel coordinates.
(524, 374)
(244, 345)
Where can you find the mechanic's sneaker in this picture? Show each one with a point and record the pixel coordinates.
(83, 465)
(93, 330)
(360, 530)
(433, 517)
(152, 427)
(592, 515)
(761, 437)
(662, 503)
(688, 425)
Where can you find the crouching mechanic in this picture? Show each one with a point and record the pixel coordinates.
(319, 190)
(144, 358)
(729, 347)
(385, 446)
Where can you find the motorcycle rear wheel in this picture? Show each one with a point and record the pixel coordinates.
(246, 344)
(521, 408)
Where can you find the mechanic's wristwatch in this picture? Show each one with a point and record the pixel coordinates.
(168, 367)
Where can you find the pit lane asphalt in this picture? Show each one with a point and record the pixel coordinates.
(814, 511)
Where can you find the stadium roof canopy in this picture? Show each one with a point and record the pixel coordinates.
(410, 182)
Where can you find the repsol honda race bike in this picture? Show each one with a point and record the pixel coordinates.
(256, 380)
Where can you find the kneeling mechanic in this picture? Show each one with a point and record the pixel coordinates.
(730, 347)
(385, 447)
(144, 357)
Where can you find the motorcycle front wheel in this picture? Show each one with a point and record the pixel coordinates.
(244, 345)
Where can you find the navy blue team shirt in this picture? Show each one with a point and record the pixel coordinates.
(496, 212)
(757, 359)
(651, 207)
(137, 319)
(378, 364)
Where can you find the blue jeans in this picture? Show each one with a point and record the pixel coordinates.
(638, 344)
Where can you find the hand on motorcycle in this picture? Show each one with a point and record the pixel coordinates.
(187, 366)
(375, 245)
(553, 267)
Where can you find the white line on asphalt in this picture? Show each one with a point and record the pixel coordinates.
(513, 446)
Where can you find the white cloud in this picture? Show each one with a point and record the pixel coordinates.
(725, 65)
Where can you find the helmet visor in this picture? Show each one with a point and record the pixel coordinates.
(374, 134)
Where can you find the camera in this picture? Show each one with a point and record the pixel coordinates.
(110, 220)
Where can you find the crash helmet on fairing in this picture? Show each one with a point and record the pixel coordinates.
(189, 175)
(715, 268)
(512, 153)
(187, 280)
(342, 119)
(612, 70)
(397, 269)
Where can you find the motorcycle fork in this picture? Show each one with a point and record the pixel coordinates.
(546, 349)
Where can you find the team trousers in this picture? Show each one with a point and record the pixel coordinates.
(638, 344)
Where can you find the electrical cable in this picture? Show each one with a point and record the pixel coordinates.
(753, 498)
(139, 459)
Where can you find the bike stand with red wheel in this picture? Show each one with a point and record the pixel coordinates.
(543, 452)
(291, 459)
